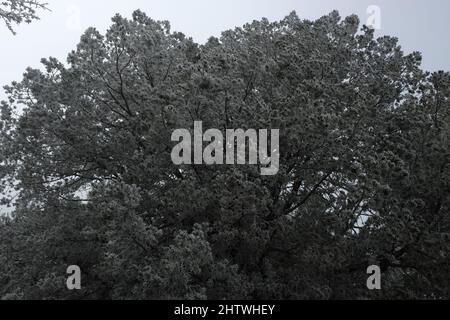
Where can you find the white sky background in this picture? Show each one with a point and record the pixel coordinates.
(421, 25)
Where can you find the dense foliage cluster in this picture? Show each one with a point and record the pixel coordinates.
(364, 176)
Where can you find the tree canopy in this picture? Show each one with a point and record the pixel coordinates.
(14, 12)
(363, 180)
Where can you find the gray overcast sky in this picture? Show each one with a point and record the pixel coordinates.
(421, 25)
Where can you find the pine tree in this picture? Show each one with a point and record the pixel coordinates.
(364, 175)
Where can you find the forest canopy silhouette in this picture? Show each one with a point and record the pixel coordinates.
(364, 170)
